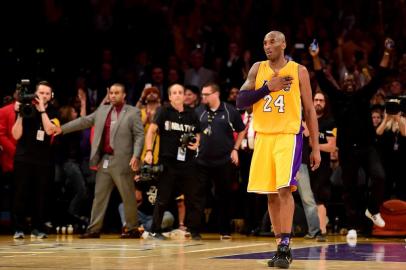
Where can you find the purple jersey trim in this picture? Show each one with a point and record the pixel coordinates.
(297, 159)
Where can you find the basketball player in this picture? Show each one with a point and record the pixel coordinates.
(278, 89)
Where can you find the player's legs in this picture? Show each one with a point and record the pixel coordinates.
(287, 153)
(274, 214)
(262, 171)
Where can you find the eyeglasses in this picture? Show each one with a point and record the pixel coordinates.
(206, 94)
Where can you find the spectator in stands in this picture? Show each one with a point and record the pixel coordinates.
(198, 75)
(192, 96)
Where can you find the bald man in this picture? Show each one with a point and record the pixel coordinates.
(278, 89)
(172, 122)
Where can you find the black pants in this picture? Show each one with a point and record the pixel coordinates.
(7, 179)
(32, 184)
(254, 205)
(320, 182)
(177, 178)
(367, 158)
(394, 163)
(221, 178)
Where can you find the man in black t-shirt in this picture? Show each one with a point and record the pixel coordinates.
(320, 179)
(174, 122)
(33, 162)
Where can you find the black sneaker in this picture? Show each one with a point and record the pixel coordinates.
(157, 236)
(196, 236)
(134, 233)
(271, 262)
(284, 257)
(321, 237)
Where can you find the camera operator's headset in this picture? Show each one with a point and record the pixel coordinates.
(208, 111)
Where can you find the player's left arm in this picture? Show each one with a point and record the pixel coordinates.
(310, 116)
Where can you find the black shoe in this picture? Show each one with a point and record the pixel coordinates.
(309, 236)
(196, 236)
(271, 262)
(134, 234)
(284, 257)
(321, 237)
(157, 236)
(87, 235)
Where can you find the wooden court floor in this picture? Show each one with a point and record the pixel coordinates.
(251, 253)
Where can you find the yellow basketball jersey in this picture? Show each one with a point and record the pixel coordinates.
(281, 111)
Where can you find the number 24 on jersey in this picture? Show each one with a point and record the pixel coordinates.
(279, 103)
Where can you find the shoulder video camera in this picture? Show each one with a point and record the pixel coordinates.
(27, 99)
(394, 105)
(187, 138)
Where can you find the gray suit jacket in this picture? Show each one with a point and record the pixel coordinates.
(126, 135)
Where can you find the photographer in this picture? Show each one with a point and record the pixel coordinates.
(350, 108)
(33, 166)
(178, 128)
(391, 136)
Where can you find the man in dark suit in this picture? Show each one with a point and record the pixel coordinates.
(116, 148)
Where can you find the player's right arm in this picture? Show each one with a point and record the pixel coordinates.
(246, 97)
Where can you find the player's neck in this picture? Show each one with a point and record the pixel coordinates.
(277, 64)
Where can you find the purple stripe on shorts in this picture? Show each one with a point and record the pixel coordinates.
(297, 159)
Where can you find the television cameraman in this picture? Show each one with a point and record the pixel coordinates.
(179, 128)
(33, 166)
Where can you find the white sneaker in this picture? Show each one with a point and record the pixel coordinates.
(179, 234)
(225, 237)
(376, 219)
(352, 238)
(145, 235)
(18, 235)
(37, 234)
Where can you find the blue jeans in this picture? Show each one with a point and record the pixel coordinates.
(146, 220)
(75, 182)
(309, 204)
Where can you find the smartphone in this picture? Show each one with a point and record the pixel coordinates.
(314, 45)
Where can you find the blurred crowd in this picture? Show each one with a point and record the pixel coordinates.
(150, 45)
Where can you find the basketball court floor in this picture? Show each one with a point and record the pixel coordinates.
(251, 253)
